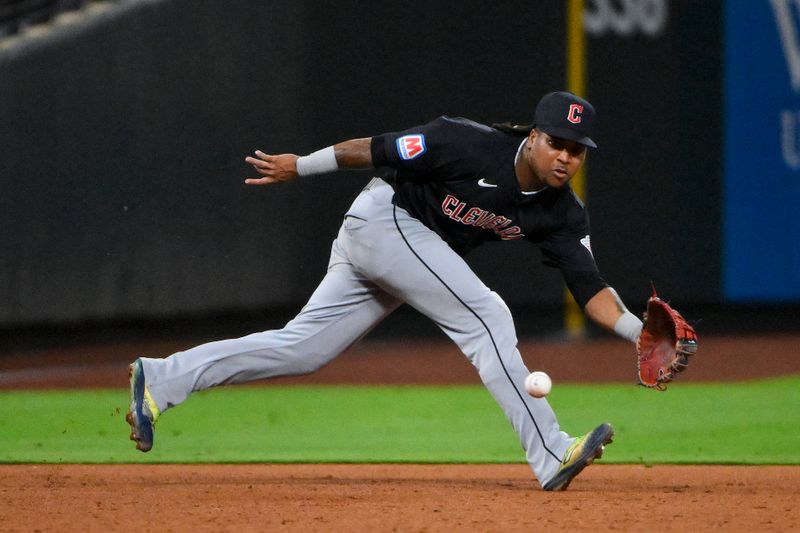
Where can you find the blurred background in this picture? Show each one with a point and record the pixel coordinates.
(124, 126)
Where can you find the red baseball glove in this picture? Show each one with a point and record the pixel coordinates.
(665, 344)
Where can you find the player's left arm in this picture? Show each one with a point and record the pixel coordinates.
(351, 154)
(599, 301)
(607, 310)
(570, 252)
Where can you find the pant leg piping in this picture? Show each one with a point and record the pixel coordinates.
(491, 337)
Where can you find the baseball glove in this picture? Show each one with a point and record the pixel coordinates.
(665, 344)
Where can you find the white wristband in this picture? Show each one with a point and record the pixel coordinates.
(628, 326)
(319, 162)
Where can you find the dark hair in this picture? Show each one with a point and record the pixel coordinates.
(515, 129)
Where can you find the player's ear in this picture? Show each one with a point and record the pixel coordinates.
(532, 137)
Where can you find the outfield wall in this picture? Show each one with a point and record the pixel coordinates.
(123, 138)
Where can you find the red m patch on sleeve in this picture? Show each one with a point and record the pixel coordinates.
(411, 146)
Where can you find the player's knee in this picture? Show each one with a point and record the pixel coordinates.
(291, 351)
(307, 364)
(496, 313)
(494, 323)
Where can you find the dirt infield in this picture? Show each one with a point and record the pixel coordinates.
(394, 498)
(267, 497)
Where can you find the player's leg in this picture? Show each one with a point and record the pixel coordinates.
(408, 260)
(343, 309)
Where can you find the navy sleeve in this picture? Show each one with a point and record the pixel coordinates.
(569, 250)
(423, 152)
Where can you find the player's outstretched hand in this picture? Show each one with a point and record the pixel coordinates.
(273, 168)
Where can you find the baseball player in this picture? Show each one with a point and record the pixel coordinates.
(455, 184)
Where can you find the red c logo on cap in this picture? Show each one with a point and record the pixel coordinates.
(574, 114)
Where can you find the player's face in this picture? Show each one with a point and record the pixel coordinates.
(554, 160)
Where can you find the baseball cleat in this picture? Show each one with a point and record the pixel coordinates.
(143, 411)
(579, 455)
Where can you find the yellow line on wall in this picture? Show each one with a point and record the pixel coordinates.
(574, 319)
(576, 70)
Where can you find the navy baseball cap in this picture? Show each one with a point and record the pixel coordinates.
(565, 115)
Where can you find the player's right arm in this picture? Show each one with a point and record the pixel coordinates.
(409, 151)
(352, 154)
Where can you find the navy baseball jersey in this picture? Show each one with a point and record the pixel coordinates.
(457, 177)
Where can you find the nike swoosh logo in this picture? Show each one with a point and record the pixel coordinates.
(482, 183)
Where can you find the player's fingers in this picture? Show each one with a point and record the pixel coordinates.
(260, 181)
(270, 172)
(258, 163)
(266, 170)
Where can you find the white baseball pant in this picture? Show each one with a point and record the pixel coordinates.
(381, 258)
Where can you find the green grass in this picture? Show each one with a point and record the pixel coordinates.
(754, 422)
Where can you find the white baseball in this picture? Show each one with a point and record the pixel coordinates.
(538, 384)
